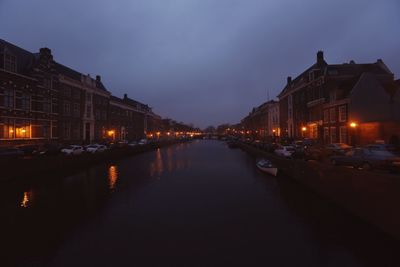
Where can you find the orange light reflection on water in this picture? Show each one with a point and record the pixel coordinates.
(112, 177)
(25, 203)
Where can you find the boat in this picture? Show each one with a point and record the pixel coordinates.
(267, 167)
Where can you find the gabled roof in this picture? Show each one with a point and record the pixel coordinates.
(68, 72)
(25, 59)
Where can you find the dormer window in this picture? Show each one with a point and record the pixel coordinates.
(10, 62)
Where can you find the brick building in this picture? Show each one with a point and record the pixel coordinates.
(327, 100)
(43, 101)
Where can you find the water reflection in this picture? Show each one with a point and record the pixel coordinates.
(156, 167)
(26, 200)
(112, 177)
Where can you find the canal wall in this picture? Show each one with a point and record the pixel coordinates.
(62, 164)
(369, 195)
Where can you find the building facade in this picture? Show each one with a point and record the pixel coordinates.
(327, 101)
(43, 101)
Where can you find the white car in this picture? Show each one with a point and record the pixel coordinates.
(284, 151)
(142, 142)
(133, 144)
(95, 148)
(72, 150)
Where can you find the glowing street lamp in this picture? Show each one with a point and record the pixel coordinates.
(353, 125)
(303, 129)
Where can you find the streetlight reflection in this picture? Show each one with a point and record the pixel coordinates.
(112, 177)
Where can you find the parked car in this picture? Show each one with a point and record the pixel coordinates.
(338, 148)
(284, 151)
(28, 150)
(391, 148)
(142, 142)
(316, 152)
(49, 150)
(368, 159)
(95, 148)
(10, 153)
(72, 150)
(133, 144)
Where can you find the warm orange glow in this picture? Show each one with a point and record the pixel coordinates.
(273, 130)
(26, 199)
(353, 125)
(111, 133)
(158, 133)
(168, 133)
(304, 129)
(112, 177)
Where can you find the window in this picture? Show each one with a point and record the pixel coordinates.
(67, 91)
(332, 114)
(76, 110)
(332, 96)
(46, 104)
(54, 129)
(88, 111)
(342, 114)
(333, 134)
(66, 108)
(311, 76)
(6, 98)
(66, 130)
(54, 106)
(88, 97)
(326, 116)
(22, 101)
(343, 134)
(76, 94)
(40, 129)
(6, 128)
(22, 129)
(10, 63)
(37, 103)
(326, 134)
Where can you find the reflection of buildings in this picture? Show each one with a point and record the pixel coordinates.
(42, 101)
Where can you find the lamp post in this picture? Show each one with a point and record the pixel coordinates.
(353, 126)
(303, 131)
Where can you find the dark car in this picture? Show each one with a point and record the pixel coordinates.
(368, 159)
(10, 153)
(28, 150)
(50, 150)
(338, 148)
(316, 152)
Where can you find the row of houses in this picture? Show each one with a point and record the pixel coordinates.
(348, 103)
(42, 100)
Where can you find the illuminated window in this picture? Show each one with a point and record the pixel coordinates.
(6, 128)
(22, 129)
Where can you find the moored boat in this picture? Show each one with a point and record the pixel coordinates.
(267, 167)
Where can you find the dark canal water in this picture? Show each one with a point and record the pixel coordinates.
(193, 204)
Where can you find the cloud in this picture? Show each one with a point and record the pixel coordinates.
(202, 61)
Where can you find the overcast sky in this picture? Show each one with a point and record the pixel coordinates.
(203, 61)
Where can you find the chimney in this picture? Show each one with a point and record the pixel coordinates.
(125, 96)
(289, 80)
(98, 78)
(45, 52)
(352, 62)
(320, 57)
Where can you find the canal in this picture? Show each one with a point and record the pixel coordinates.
(192, 204)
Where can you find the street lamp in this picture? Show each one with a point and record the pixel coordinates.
(353, 125)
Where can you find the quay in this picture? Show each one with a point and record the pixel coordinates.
(369, 195)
